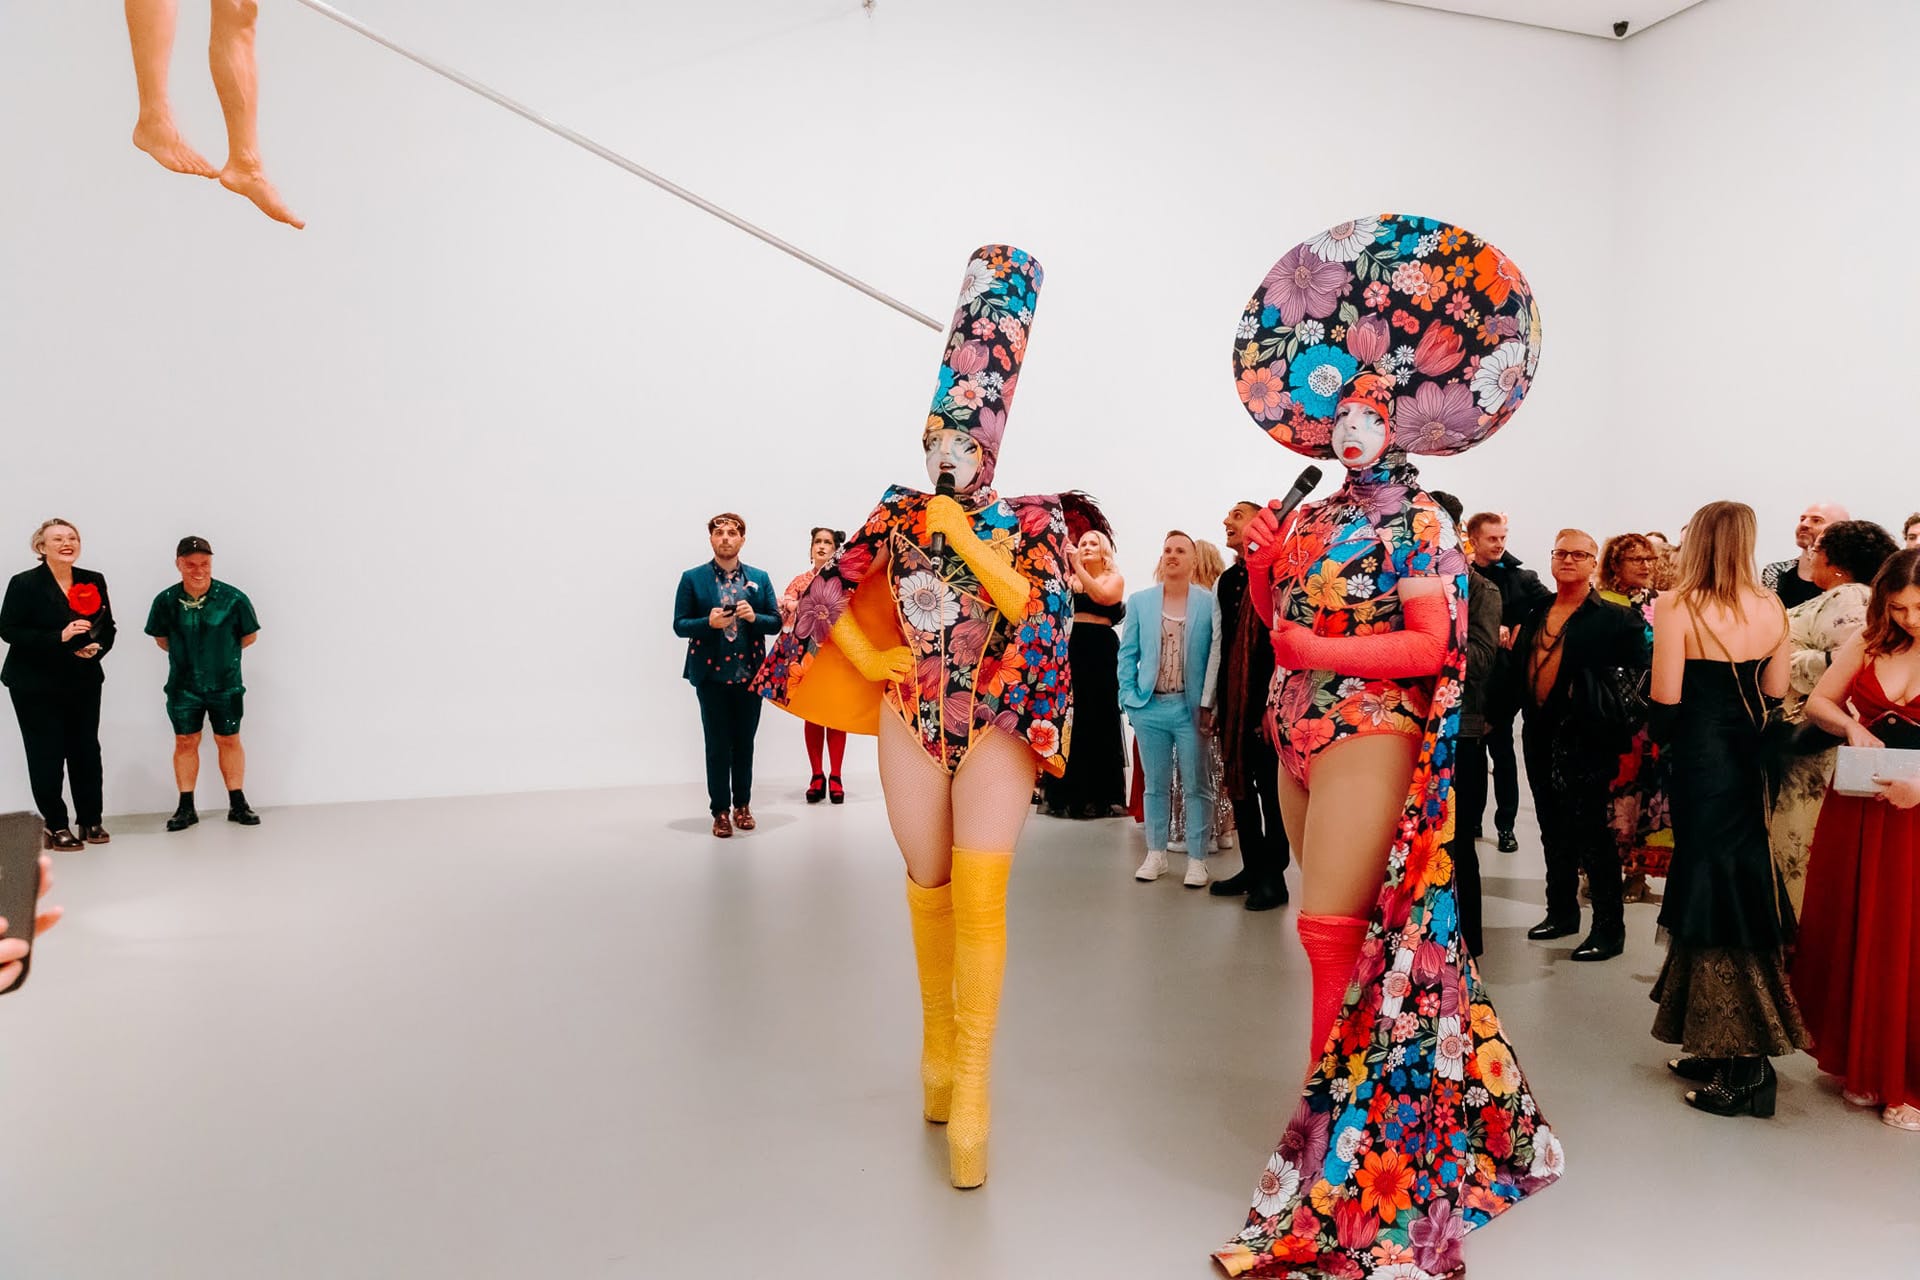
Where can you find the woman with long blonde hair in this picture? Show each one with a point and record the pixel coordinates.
(1095, 782)
(1720, 650)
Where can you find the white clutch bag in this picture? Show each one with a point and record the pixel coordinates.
(1855, 768)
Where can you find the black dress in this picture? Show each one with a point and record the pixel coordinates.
(1095, 781)
(1723, 991)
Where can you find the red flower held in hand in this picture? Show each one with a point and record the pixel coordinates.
(84, 599)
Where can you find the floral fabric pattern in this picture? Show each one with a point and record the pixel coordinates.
(1419, 314)
(1637, 807)
(974, 668)
(1339, 575)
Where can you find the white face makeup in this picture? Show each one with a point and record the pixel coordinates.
(953, 452)
(1360, 437)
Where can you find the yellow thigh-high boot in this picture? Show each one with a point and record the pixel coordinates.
(932, 912)
(979, 960)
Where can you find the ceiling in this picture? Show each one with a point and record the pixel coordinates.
(1582, 17)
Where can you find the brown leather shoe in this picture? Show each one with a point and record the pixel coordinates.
(743, 818)
(722, 828)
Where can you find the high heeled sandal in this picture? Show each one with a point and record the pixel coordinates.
(817, 789)
(836, 793)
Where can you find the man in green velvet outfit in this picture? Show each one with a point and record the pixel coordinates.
(203, 625)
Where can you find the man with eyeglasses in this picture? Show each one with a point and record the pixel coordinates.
(1562, 650)
(1521, 592)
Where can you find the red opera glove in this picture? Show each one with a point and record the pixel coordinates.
(1418, 650)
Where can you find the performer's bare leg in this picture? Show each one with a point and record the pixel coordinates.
(1357, 795)
(919, 802)
(150, 25)
(237, 80)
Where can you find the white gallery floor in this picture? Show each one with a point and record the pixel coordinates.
(571, 1035)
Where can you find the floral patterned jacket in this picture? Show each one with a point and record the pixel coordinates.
(975, 667)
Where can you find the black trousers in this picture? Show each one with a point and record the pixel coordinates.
(1264, 850)
(729, 718)
(1469, 798)
(61, 731)
(1570, 772)
(1506, 774)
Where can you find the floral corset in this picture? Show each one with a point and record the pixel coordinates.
(974, 668)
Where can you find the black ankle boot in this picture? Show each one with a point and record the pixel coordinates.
(1699, 1070)
(1745, 1086)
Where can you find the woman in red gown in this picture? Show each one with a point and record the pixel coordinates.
(1857, 975)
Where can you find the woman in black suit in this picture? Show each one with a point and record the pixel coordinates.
(58, 624)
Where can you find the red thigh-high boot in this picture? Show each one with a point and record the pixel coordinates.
(1333, 947)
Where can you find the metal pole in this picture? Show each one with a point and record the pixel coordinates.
(615, 158)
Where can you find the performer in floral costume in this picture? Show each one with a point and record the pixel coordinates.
(957, 658)
(1382, 337)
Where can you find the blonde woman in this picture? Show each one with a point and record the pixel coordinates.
(1095, 783)
(58, 625)
(1720, 649)
(1208, 565)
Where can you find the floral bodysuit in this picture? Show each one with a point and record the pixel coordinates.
(975, 668)
(1339, 574)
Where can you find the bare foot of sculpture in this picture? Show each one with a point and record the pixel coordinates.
(252, 183)
(159, 139)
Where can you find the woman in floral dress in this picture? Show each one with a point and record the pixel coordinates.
(1382, 337)
(1638, 804)
(956, 656)
(822, 542)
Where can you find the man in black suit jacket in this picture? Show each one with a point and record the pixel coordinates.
(1252, 765)
(724, 610)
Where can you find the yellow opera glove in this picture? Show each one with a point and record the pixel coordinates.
(894, 665)
(1006, 586)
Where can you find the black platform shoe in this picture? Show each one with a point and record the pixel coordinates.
(1699, 1070)
(817, 789)
(64, 840)
(836, 794)
(1746, 1086)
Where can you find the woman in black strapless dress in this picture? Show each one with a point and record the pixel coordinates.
(1723, 993)
(1095, 783)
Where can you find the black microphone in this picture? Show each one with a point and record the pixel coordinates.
(943, 487)
(1303, 486)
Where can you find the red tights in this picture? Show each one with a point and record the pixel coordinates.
(835, 740)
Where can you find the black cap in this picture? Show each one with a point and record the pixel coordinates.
(193, 547)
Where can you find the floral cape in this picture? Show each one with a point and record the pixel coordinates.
(975, 668)
(1415, 1126)
(1421, 315)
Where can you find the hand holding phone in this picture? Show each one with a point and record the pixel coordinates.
(25, 877)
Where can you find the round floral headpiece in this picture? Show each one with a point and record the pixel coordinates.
(1420, 318)
(985, 346)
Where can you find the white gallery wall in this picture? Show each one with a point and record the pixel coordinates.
(460, 436)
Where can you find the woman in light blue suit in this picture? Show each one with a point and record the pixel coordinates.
(1169, 660)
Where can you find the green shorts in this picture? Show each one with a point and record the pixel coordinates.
(189, 710)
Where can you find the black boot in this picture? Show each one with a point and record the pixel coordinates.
(1699, 1070)
(1233, 886)
(238, 810)
(1265, 897)
(184, 816)
(1744, 1086)
(1604, 943)
(1554, 927)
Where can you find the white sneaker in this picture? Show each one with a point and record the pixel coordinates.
(1153, 867)
(1176, 845)
(1196, 873)
(1224, 842)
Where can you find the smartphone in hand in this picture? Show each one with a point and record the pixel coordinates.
(20, 881)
